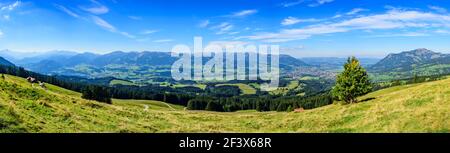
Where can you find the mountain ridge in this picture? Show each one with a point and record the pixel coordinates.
(143, 66)
(3, 61)
(407, 60)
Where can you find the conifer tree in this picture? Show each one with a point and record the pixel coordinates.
(352, 82)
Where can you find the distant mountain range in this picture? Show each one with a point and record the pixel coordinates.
(146, 65)
(5, 62)
(135, 66)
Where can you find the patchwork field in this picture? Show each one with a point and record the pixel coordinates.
(246, 89)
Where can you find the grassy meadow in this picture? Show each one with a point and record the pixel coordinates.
(412, 108)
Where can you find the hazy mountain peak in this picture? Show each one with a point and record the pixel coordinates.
(422, 51)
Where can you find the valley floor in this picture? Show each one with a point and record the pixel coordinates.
(413, 108)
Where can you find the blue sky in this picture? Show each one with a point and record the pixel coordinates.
(303, 28)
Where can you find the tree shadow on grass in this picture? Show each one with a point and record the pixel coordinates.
(366, 99)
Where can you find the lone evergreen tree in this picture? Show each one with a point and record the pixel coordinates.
(352, 82)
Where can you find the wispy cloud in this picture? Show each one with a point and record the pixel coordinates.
(393, 19)
(6, 17)
(223, 28)
(441, 31)
(243, 13)
(228, 43)
(135, 17)
(105, 25)
(438, 9)
(126, 34)
(96, 8)
(67, 11)
(233, 33)
(102, 23)
(292, 20)
(147, 32)
(1, 33)
(350, 13)
(11, 6)
(163, 40)
(406, 34)
(95, 19)
(6, 9)
(203, 24)
(320, 2)
(293, 3)
(356, 11)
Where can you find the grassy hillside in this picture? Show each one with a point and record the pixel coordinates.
(413, 108)
(246, 89)
(122, 82)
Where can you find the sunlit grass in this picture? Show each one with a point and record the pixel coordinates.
(412, 108)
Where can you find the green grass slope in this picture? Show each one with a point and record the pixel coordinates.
(413, 108)
(122, 82)
(246, 89)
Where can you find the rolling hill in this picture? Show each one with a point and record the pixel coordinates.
(422, 62)
(411, 108)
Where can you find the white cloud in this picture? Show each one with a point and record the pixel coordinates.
(102, 23)
(203, 24)
(11, 7)
(6, 9)
(226, 28)
(233, 33)
(319, 2)
(438, 9)
(292, 49)
(67, 11)
(292, 20)
(1, 33)
(97, 8)
(243, 13)
(223, 28)
(221, 25)
(147, 32)
(224, 44)
(294, 3)
(126, 34)
(356, 11)
(336, 16)
(163, 40)
(441, 31)
(407, 34)
(105, 25)
(135, 17)
(6, 17)
(394, 19)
